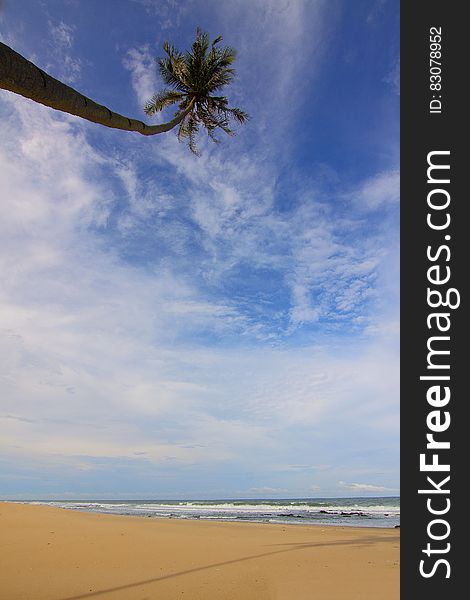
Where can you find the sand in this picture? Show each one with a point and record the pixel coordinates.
(56, 554)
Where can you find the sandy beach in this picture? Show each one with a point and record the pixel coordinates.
(56, 554)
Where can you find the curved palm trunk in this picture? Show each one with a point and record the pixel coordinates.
(19, 75)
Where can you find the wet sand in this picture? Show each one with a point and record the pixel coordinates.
(55, 554)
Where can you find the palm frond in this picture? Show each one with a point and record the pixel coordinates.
(188, 131)
(173, 68)
(161, 100)
(240, 115)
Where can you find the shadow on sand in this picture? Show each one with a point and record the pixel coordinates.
(293, 547)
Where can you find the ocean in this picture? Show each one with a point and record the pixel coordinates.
(358, 512)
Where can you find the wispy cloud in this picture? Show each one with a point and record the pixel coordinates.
(266, 490)
(378, 191)
(375, 11)
(61, 34)
(64, 64)
(317, 252)
(169, 12)
(281, 48)
(367, 487)
(393, 77)
(142, 66)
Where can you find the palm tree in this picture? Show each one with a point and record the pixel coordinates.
(193, 76)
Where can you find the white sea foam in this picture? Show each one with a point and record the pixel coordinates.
(369, 512)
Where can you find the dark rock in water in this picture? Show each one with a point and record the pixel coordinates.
(386, 515)
(286, 515)
(397, 527)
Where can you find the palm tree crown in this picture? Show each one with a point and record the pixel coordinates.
(193, 77)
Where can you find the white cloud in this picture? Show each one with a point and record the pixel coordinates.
(367, 487)
(61, 34)
(169, 12)
(142, 66)
(280, 45)
(63, 65)
(378, 191)
(89, 339)
(393, 77)
(265, 490)
(232, 201)
(375, 12)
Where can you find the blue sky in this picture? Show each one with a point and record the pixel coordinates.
(222, 326)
